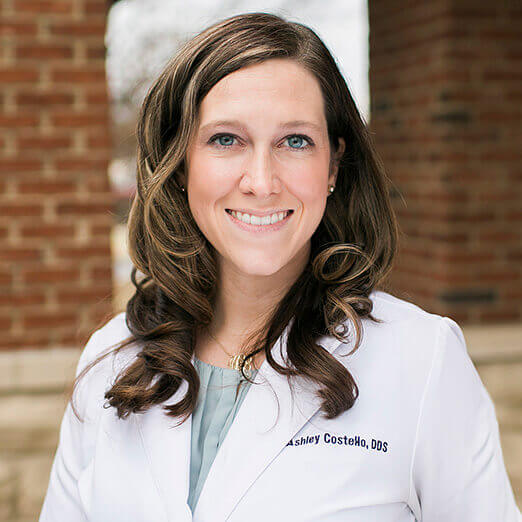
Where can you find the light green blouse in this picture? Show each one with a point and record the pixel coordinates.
(216, 408)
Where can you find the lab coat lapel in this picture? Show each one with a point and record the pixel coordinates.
(168, 452)
(259, 432)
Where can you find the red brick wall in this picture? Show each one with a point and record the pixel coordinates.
(446, 116)
(55, 199)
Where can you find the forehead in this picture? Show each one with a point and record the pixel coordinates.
(278, 89)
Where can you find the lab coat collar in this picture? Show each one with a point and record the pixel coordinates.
(261, 429)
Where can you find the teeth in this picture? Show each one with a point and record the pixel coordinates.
(256, 220)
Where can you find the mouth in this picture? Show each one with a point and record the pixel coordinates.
(261, 224)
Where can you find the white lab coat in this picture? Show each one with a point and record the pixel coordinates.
(421, 442)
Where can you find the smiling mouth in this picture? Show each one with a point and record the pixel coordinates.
(258, 226)
(265, 220)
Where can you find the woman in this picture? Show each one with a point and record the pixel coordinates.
(264, 231)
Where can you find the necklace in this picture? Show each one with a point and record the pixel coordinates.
(236, 360)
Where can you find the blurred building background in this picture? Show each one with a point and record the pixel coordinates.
(439, 84)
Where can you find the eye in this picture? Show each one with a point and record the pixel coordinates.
(223, 141)
(297, 139)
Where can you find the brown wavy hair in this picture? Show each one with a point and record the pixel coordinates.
(352, 250)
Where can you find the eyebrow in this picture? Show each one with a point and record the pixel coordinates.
(237, 123)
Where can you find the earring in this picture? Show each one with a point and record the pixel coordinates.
(182, 189)
(331, 188)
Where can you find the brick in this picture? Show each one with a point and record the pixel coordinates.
(96, 8)
(100, 273)
(79, 77)
(22, 341)
(493, 316)
(43, 52)
(16, 28)
(502, 76)
(100, 184)
(467, 257)
(79, 120)
(90, 295)
(97, 97)
(5, 323)
(48, 320)
(46, 231)
(20, 254)
(39, 98)
(83, 208)
(460, 216)
(491, 275)
(500, 237)
(43, 6)
(499, 156)
(96, 53)
(101, 230)
(19, 120)
(81, 163)
(5, 277)
(514, 255)
(95, 28)
(19, 164)
(15, 208)
(18, 75)
(47, 187)
(502, 196)
(103, 143)
(50, 275)
(22, 298)
(44, 143)
(83, 252)
(514, 215)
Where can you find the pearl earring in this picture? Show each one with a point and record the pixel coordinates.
(331, 188)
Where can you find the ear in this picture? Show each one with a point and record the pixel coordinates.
(338, 154)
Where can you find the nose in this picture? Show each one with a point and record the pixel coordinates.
(259, 174)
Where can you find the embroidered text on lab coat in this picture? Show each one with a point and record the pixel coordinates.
(345, 440)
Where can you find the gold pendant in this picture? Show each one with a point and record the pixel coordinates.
(236, 360)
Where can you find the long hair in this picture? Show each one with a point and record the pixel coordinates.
(352, 249)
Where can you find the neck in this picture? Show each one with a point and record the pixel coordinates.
(243, 304)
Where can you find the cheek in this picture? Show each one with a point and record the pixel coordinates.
(308, 183)
(208, 180)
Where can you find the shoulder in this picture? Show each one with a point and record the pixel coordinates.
(403, 315)
(409, 337)
(393, 309)
(408, 353)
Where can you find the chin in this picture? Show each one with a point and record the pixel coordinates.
(259, 268)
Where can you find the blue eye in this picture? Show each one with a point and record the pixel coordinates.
(227, 140)
(300, 140)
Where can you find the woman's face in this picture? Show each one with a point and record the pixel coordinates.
(261, 147)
